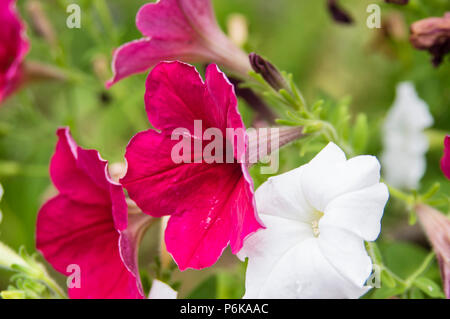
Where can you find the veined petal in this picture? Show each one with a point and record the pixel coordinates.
(71, 174)
(266, 248)
(358, 212)
(341, 176)
(72, 233)
(346, 252)
(304, 272)
(212, 219)
(140, 55)
(154, 181)
(176, 96)
(282, 196)
(176, 19)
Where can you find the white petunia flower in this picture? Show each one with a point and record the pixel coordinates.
(161, 290)
(317, 218)
(405, 143)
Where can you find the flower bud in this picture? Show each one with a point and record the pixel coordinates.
(437, 229)
(268, 71)
(432, 34)
(339, 15)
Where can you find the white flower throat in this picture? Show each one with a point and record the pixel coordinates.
(317, 215)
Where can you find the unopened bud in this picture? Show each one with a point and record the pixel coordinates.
(433, 35)
(268, 71)
(339, 15)
(437, 229)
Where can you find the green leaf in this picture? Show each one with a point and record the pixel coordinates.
(288, 97)
(386, 292)
(416, 293)
(403, 259)
(286, 122)
(12, 294)
(429, 287)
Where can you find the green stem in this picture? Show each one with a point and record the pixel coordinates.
(407, 198)
(54, 286)
(424, 266)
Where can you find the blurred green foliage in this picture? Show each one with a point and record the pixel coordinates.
(326, 59)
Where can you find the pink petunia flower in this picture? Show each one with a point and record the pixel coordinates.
(211, 205)
(13, 48)
(445, 161)
(83, 226)
(184, 30)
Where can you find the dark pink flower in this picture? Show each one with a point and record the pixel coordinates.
(445, 161)
(85, 222)
(183, 30)
(211, 205)
(13, 48)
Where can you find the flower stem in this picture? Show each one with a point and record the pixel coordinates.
(424, 266)
(54, 286)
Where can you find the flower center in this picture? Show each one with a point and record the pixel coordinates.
(315, 223)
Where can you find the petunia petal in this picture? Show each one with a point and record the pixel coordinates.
(176, 96)
(341, 176)
(140, 55)
(71, 173)
(350, 260)
(161, 290)
(282, 196)
(150, 167)
(358, 212)
(71, 233)
(302, 272)
(266, 247)
(211, 219)
(176, 19)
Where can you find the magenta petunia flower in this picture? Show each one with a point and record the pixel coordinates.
(13, 48)
(211, 205)
(81, 227)
(184, 30)
(445, 161)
